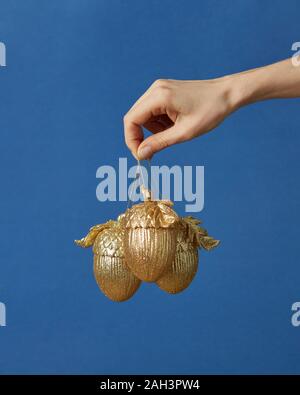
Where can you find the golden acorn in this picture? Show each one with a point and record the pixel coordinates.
(150, 238)
(184, 267)
(111, 272)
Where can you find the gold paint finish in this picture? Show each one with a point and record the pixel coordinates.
(184, 267)
(182, 270)
(150, 238)
(181, 273)
(90, 238)
(147, 243)
(111, 272)
(114, 279)
(150, 251)
(151, 214)
(197, 235)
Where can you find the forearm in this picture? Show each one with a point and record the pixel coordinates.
(279, 80)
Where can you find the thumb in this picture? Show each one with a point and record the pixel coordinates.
(159, 141)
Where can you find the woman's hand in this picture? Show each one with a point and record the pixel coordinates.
(176, 111)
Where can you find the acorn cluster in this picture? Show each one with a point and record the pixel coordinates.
(150, 243)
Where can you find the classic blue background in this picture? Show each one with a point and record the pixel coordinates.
(74, 67)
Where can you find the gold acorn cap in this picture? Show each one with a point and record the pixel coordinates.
(151, 214)
(110, 242)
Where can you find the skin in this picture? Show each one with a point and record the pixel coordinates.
(177, 111)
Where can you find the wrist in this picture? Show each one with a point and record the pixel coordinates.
(240, 90)
(279, 80)
(256, 85)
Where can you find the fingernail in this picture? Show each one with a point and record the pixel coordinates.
(145, 152)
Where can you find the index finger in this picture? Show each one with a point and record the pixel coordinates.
(141, 112)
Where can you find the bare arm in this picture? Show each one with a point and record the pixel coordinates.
(177, 111)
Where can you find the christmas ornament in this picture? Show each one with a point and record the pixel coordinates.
(111, 272)
(149, 242)
(185, 264)
(151, 231)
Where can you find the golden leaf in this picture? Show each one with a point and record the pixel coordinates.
(208, 243)
(90, 238)
(198, 235)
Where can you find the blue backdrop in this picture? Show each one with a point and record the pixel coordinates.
(74, 67)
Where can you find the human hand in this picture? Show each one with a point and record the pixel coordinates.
(176, 111)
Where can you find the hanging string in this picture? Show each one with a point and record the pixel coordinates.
(153, 186)
(141, 173)
(138, 175)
